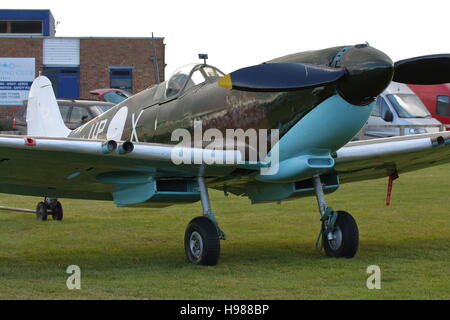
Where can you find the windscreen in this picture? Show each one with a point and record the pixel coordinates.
(213, 73)
(408, 106)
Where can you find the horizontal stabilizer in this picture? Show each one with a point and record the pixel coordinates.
(280, 77)
(432, 69)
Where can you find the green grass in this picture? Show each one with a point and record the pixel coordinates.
(270, 254)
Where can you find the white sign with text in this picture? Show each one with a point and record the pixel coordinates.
(16, 77)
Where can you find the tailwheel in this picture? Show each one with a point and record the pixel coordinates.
(50, 206)
(202, 242)
(41, 211)
(343, 240)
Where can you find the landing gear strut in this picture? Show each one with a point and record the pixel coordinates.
(50, 206)
(339, 232)
(203, 235)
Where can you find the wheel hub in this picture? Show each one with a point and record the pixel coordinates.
(335, 240)
(196, 244)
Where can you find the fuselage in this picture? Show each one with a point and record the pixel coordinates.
(151, 116)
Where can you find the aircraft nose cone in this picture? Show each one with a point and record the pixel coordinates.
(369, 72)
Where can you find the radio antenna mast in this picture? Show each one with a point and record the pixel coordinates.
(155, 61)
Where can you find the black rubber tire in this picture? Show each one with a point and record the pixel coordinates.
(41, 211)
(57, 212)
(207, 230)
(350, 237)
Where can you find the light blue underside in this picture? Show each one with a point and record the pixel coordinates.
(306, 148)
(325, 129)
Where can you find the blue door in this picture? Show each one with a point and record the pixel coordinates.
(65, 81)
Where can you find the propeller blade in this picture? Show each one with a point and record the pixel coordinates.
(432, 69)
(284, 76)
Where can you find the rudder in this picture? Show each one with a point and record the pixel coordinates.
(43, 114)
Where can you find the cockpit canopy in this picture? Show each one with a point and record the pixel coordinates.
(189, 76)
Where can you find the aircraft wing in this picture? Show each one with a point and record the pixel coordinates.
(83, 169)
(376, 158)
(87, 169)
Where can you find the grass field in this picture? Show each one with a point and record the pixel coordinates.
(270, 254)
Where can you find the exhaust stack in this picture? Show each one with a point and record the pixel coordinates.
(109, 146)
(126, 147)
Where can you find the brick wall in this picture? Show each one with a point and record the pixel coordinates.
(19, 48)
(96, 55)
(22, 48)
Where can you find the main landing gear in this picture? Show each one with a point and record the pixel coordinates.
(339, 232)
(50, 206)
(203, 235)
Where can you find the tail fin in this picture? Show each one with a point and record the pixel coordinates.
(43, 115)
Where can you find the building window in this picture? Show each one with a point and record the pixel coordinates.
(21, 27)
(443, 106)
(121, 78)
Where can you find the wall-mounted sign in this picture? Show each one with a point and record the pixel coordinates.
(16, 77)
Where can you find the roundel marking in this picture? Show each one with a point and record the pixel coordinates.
(117, 124)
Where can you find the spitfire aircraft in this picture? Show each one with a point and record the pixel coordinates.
(312, 104)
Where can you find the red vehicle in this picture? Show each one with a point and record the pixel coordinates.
(111, 95)
(436, 98)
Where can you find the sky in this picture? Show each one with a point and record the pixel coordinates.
(237, 34)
